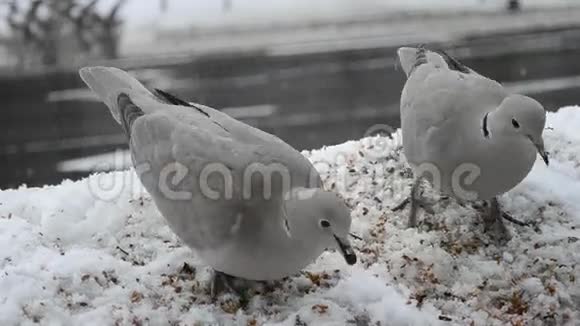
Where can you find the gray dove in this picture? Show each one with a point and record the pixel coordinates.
(465, 133)
(247, 203)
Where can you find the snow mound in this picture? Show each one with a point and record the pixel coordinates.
(97, 252)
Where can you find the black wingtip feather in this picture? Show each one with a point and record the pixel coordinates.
(172, 99)
(453, 63)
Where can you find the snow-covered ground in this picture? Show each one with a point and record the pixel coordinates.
(97, 252)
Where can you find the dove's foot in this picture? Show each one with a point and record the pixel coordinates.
(415, 203)
(508, 217)
(401, 205)
(416, 200)
(223, 282)
(493, 223)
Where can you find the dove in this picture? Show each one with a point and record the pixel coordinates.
(465, 133)
(247, 203)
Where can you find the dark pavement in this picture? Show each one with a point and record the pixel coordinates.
(316, 99)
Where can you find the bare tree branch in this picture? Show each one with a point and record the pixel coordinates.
(39, 27)
(115, 10)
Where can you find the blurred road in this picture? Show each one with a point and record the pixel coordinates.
(309, 100)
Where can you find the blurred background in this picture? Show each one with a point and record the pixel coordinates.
(312, 72)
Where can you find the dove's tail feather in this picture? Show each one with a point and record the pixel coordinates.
(129, 112)
(110, 84)
(411, 58)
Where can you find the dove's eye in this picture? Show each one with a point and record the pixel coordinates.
(324, 223)
(515, 123)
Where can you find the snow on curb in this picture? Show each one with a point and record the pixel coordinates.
(72, 255)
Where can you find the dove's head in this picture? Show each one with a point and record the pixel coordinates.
(320, 216)
(522, 116)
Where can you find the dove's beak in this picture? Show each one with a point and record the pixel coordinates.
(540, 147)
(346, 250)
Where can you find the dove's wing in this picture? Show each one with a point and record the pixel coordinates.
(218, 180)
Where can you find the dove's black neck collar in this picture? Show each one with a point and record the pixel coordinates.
(485, 126)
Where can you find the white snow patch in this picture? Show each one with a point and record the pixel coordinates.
(116, 160)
